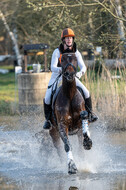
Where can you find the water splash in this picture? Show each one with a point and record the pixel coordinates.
(25, 158)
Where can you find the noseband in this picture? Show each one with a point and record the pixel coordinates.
(72, 74)
(70, 64)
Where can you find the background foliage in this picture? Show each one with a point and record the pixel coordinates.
(42, 21)
(100, 22)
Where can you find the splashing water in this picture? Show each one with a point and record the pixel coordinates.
(23, 157)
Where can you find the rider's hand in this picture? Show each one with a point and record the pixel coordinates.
(60, 70)
(79, 74)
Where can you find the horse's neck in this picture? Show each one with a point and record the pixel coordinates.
(69, 88)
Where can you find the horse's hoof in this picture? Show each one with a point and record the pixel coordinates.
(87, 143)
(72, 169)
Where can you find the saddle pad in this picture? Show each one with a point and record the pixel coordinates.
(81, 91)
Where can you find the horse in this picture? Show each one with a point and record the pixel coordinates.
(69, 111)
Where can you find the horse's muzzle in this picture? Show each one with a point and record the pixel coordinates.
(69, 76)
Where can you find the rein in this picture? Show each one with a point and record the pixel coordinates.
(52, 85)
(56, 81)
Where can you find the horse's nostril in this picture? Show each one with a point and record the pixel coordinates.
(66, 73)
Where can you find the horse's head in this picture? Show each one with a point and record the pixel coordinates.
(69, 66)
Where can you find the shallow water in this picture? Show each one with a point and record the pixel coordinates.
(27, 163)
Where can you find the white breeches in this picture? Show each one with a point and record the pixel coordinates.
(52, 80)
(85, 90)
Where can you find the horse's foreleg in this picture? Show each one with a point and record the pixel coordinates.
(72, 169)
(87, 142)
(56, 141)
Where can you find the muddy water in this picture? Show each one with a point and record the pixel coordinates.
(27, 163)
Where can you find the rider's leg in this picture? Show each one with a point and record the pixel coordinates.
(88, 102)
(47, 101)
(47, 112)
(88, 105)
(47, 109)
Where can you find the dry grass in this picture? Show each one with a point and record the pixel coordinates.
(108, 95)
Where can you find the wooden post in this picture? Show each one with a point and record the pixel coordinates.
(24, 65)
(45, 60)
(24, 68)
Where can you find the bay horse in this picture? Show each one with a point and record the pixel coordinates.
(69, 111)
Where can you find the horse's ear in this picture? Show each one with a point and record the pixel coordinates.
(62, 61)
(64, 57)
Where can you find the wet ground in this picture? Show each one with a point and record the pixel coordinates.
(27, 163)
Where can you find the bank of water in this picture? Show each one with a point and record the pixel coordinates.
(27, 163)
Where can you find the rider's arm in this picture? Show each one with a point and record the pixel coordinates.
(81, 64)
(54, 61)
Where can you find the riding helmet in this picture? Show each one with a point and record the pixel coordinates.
(67, 32)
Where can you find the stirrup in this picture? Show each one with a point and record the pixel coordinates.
(92, 117)
(47, 125)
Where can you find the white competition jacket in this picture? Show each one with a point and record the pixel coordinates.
(56, 70)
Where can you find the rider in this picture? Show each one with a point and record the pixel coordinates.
(68, 45)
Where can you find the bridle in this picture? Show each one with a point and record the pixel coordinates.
(65, 74)
(70, 64)
(69, 75)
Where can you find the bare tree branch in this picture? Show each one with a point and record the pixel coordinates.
(75, 5)
(110, 11)
(61, 5)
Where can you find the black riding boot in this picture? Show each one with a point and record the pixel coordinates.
(88, 105)
(47, 112)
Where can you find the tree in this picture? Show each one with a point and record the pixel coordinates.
(16, 49)
(42, 21)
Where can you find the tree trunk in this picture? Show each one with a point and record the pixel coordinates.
(11, 34)
(91, 26)
(120, 24)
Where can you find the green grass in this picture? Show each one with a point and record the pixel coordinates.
(9, 67)
(7, 87)
(7, 93)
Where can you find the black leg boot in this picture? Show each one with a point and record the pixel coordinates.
(47, 112)
(88, 105)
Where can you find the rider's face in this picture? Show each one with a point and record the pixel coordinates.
(69, 41)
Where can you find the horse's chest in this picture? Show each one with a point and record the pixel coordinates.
(73, 128)
(73, 123)
(69, 120)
